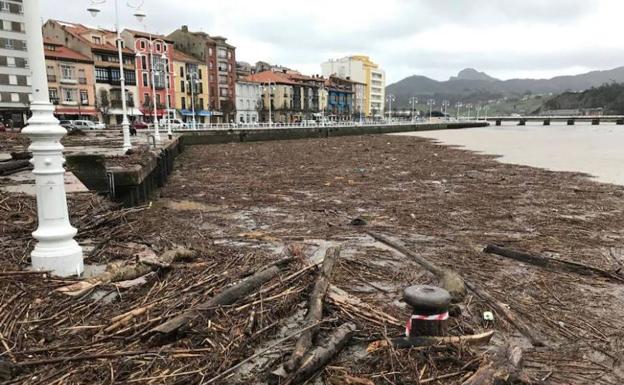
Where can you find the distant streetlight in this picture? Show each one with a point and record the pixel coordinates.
(430, 103)
(389, 100)
(445, 105)
(413, 102)
(459, 105)
(125, 123)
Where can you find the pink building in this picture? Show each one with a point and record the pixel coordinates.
(154, 53)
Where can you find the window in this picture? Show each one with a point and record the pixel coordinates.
(211, 65)
(69, 95)
(84, 97)
(142, 44)
(229, 54)
(8, 44)
(6, 7)
(158, 99)
(10, 61)
(182, 89)
(144, 62)
(201, 88)
(15, 97)
(130, 77)
(67, 72)
(146, 98)
(157, 47)
(199, 73)
(53, 92)
(97, 40)
(101, 74)
(97, 57)
(210, 51)
(115, 75)
(145, 83)
(201, 103)
(13, 80)
(82, 78)
(182, 72)
(169, 99)
(183, 100)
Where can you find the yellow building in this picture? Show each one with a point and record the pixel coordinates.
(191, 85)
(361, 69)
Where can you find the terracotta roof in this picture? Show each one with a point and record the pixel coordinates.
(61, 52)
(77, 30)
(270, 76)
(181, 56)
(147, 35)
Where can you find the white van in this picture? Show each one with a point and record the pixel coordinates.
(176, 124)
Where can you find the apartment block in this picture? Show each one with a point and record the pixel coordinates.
(362, 70)
(14, 69)
(220, 57)
(191, 86)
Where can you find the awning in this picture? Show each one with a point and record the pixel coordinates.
(130, 110)
(150, 112)
(197, 113)
(75, 111)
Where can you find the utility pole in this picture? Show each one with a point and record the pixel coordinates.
(55, 250)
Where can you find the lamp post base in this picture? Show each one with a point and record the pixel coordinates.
(63, 261)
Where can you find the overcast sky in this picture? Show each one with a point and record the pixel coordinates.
(435, 38)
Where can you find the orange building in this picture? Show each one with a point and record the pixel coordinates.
(71, 82)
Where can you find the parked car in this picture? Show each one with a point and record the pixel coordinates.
(99, 125)
(176, 124)
(85, 125)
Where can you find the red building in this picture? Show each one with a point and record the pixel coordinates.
(154, 53)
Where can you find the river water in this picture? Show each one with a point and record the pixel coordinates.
(595, 150)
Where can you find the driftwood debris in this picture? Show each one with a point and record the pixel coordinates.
(354, 306)
(226, 297)
(501, 309)
(410, 342)
(13, 166)
(315, 309)
(504, 368)
(320, 356)
(551, 263)
(448, 279)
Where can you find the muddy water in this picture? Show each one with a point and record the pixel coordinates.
(594, 150)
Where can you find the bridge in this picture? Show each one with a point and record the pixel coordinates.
(570, 120)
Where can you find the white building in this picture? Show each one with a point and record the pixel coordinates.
(248, 102)
(361, 69)
(14, 68)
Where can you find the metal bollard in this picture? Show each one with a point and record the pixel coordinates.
(430, 306)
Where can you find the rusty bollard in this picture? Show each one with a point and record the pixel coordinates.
(430, 306)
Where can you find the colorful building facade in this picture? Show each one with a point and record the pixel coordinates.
(191, 85)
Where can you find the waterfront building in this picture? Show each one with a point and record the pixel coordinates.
(248, 101)
(100, 46)
(14, 69)
(153, 60)
(191, 85)
(361, 69)
(277, 92)
(220, 57)
(307, 92)
(71, 83)
(340, 98)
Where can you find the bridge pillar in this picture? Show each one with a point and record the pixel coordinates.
(499, 122)
(571, 122)
(620, 122)
(595, 122)
(522, 122)
(546, 122)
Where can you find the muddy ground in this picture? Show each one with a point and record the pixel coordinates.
(241, 205)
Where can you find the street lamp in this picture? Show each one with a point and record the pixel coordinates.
(389, 100)
(459, 105)
(478, 110)
(125, 124)
(430, 103)
(445, 105)
(154, 67)
(270, 87)
(469, 107)
(191, 81)
(55, 250)
(413, 102)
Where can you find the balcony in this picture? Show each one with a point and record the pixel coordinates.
(68, 81)
(51, 78)
(69, 102)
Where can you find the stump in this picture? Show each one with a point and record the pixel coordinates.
(429, 311)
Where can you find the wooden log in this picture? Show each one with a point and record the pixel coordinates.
(11, 166)
(505, 368)
(448, 279)
(354, 305)
(226, 297)
(315, 309)
(316, 359)
(501, 309)
(406, 343)
(551, 263)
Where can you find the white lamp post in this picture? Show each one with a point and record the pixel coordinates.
(430, 103)
(390, 99)
(413, 103)
(56, 250)
(192, 79)
(125, 124)
(167, 80)
(459, 105)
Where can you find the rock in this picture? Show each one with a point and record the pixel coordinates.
(358, 222)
